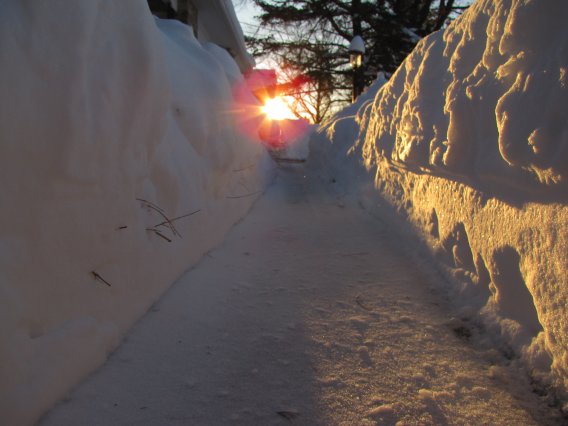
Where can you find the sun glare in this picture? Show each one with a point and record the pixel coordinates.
(276, 109)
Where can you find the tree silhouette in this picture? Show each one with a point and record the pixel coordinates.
(312, 37)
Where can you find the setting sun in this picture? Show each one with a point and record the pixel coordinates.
(276, 109)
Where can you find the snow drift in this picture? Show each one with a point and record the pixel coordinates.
(119, 167)
(468, 142)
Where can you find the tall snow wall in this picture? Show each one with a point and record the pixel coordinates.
(114, 128)
(468, 143)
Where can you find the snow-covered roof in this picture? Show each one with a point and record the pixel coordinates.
(218, 23)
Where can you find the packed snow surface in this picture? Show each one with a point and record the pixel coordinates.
(468, 144)
(120, 166)
(312, 312)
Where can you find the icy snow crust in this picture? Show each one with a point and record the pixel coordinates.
(468, 142)
(98, 112)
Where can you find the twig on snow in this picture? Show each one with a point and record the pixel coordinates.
(150, 204)
(160, 211)
(178, 218)
(98, 277)
(159, 234)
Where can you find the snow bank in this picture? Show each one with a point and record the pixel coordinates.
(468, 142)
(109, 124)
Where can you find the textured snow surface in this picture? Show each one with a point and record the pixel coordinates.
(310, 313)
(109, 123)
(468, 143)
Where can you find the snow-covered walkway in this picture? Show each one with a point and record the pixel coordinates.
(310, 313)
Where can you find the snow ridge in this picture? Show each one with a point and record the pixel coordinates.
(120, 165)
(468, 142)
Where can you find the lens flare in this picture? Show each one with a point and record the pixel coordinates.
(276, 109)
(263, 116)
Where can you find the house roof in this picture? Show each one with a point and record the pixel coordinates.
(217, 23)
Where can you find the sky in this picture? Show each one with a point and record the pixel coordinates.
(246, 13)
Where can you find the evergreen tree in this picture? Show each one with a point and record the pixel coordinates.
(312, 36)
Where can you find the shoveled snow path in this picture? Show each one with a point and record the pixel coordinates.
(310, 313)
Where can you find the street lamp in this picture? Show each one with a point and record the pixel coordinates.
(356, 52)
